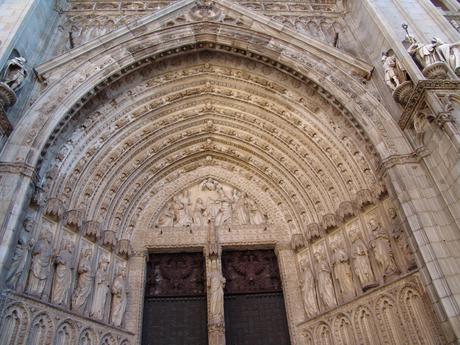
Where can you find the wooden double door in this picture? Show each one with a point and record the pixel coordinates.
(175, 309)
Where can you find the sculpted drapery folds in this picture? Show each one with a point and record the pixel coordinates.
(40, 264)
(360, 259)
(400, 238)
(308, 288)
(101, 289)
(119, 297)
(216, 283)
(342, 270)
(382, 248)
(325, 286)
(19, 260)
(84, 282)
(62, 282)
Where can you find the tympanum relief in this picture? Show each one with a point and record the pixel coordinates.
(211, 198)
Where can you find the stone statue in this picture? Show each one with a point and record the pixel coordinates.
(15, 73)
(19, 260)
(308, 290)
(183, 203)
(40, 265)
(62, 282)
(394, 72)
(119, 297)
(216, 283)
(101, 289)
(167, 216)
(84, 282)
(342, 271)
(382, 248)
(424, 54)
(240, 205)
(360, 260)
(400, 238)
(449, 53)
(199, 211)
(255, 216)
(324, 280)
(224, 216)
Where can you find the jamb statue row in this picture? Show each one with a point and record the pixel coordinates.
(318, 291)
(90, 286)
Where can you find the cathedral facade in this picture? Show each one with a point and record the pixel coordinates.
(230, 172)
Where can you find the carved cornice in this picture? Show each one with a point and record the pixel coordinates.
(418, 94)
(411, 158)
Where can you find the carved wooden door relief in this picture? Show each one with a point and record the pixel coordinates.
(175, 309)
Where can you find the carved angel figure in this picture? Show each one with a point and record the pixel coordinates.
(361, 263)
(63, 275)
(342, 271)
(19, 260)
(15, 73)
(382, 248)
(324, 280)
(101, 289)
(119, 298)
(40, 265)
(308, 290)
(84, 282)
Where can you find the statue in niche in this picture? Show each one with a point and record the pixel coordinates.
(216, 284)
(360, 260)
(382, 248)
(199, 212)
(167, 216)
(19, 260)
(424, 54)
(240, 205)
(62, 282)
(342, 271)
(401, 239)
(308, 290)
(254, 214)
(40, 265)
(84, 282)
(101, 289)
(119, 297)
(15, 73)
(183, 204)
(395, 74)
(324, 280)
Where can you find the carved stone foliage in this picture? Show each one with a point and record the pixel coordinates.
(27, 321)
(180, 274)
(250, 271)
(210, 199)
(394, 315)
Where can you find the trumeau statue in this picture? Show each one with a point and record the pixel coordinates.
(325, 285)
(119, 297)
(216, 283)
(84, 282)
(15, 73)
(62, 282)
(342, 271)
(400, 238)
(101, 289)
(360, 260)
(210, 198)
(19, 260)
(40, 264)
(382, 248)
(308, 290)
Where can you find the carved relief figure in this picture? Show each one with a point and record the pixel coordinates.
(199, 212)
(449, 53)
(101, 289)
(382, 248)
(424, 54)
(183, 204)
(40, 265)
(254, 214)
(19, 260)
(342, 271)
(216, 283)
(401, 239)
(394, 72)
(224, 215)
(308, 290)
(240, 205)
(167, 216)
(15, 73)
(84, 282)
(324, 280)
(119, 297)
(63, 275)
(360, 260)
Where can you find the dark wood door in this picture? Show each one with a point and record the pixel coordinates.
(254, 303)
(175, 311)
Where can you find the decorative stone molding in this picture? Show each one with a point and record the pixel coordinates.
(297, 242)
(74, 219)
(124, 248)
(109, 239)
(91, 230)
(54, 208)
